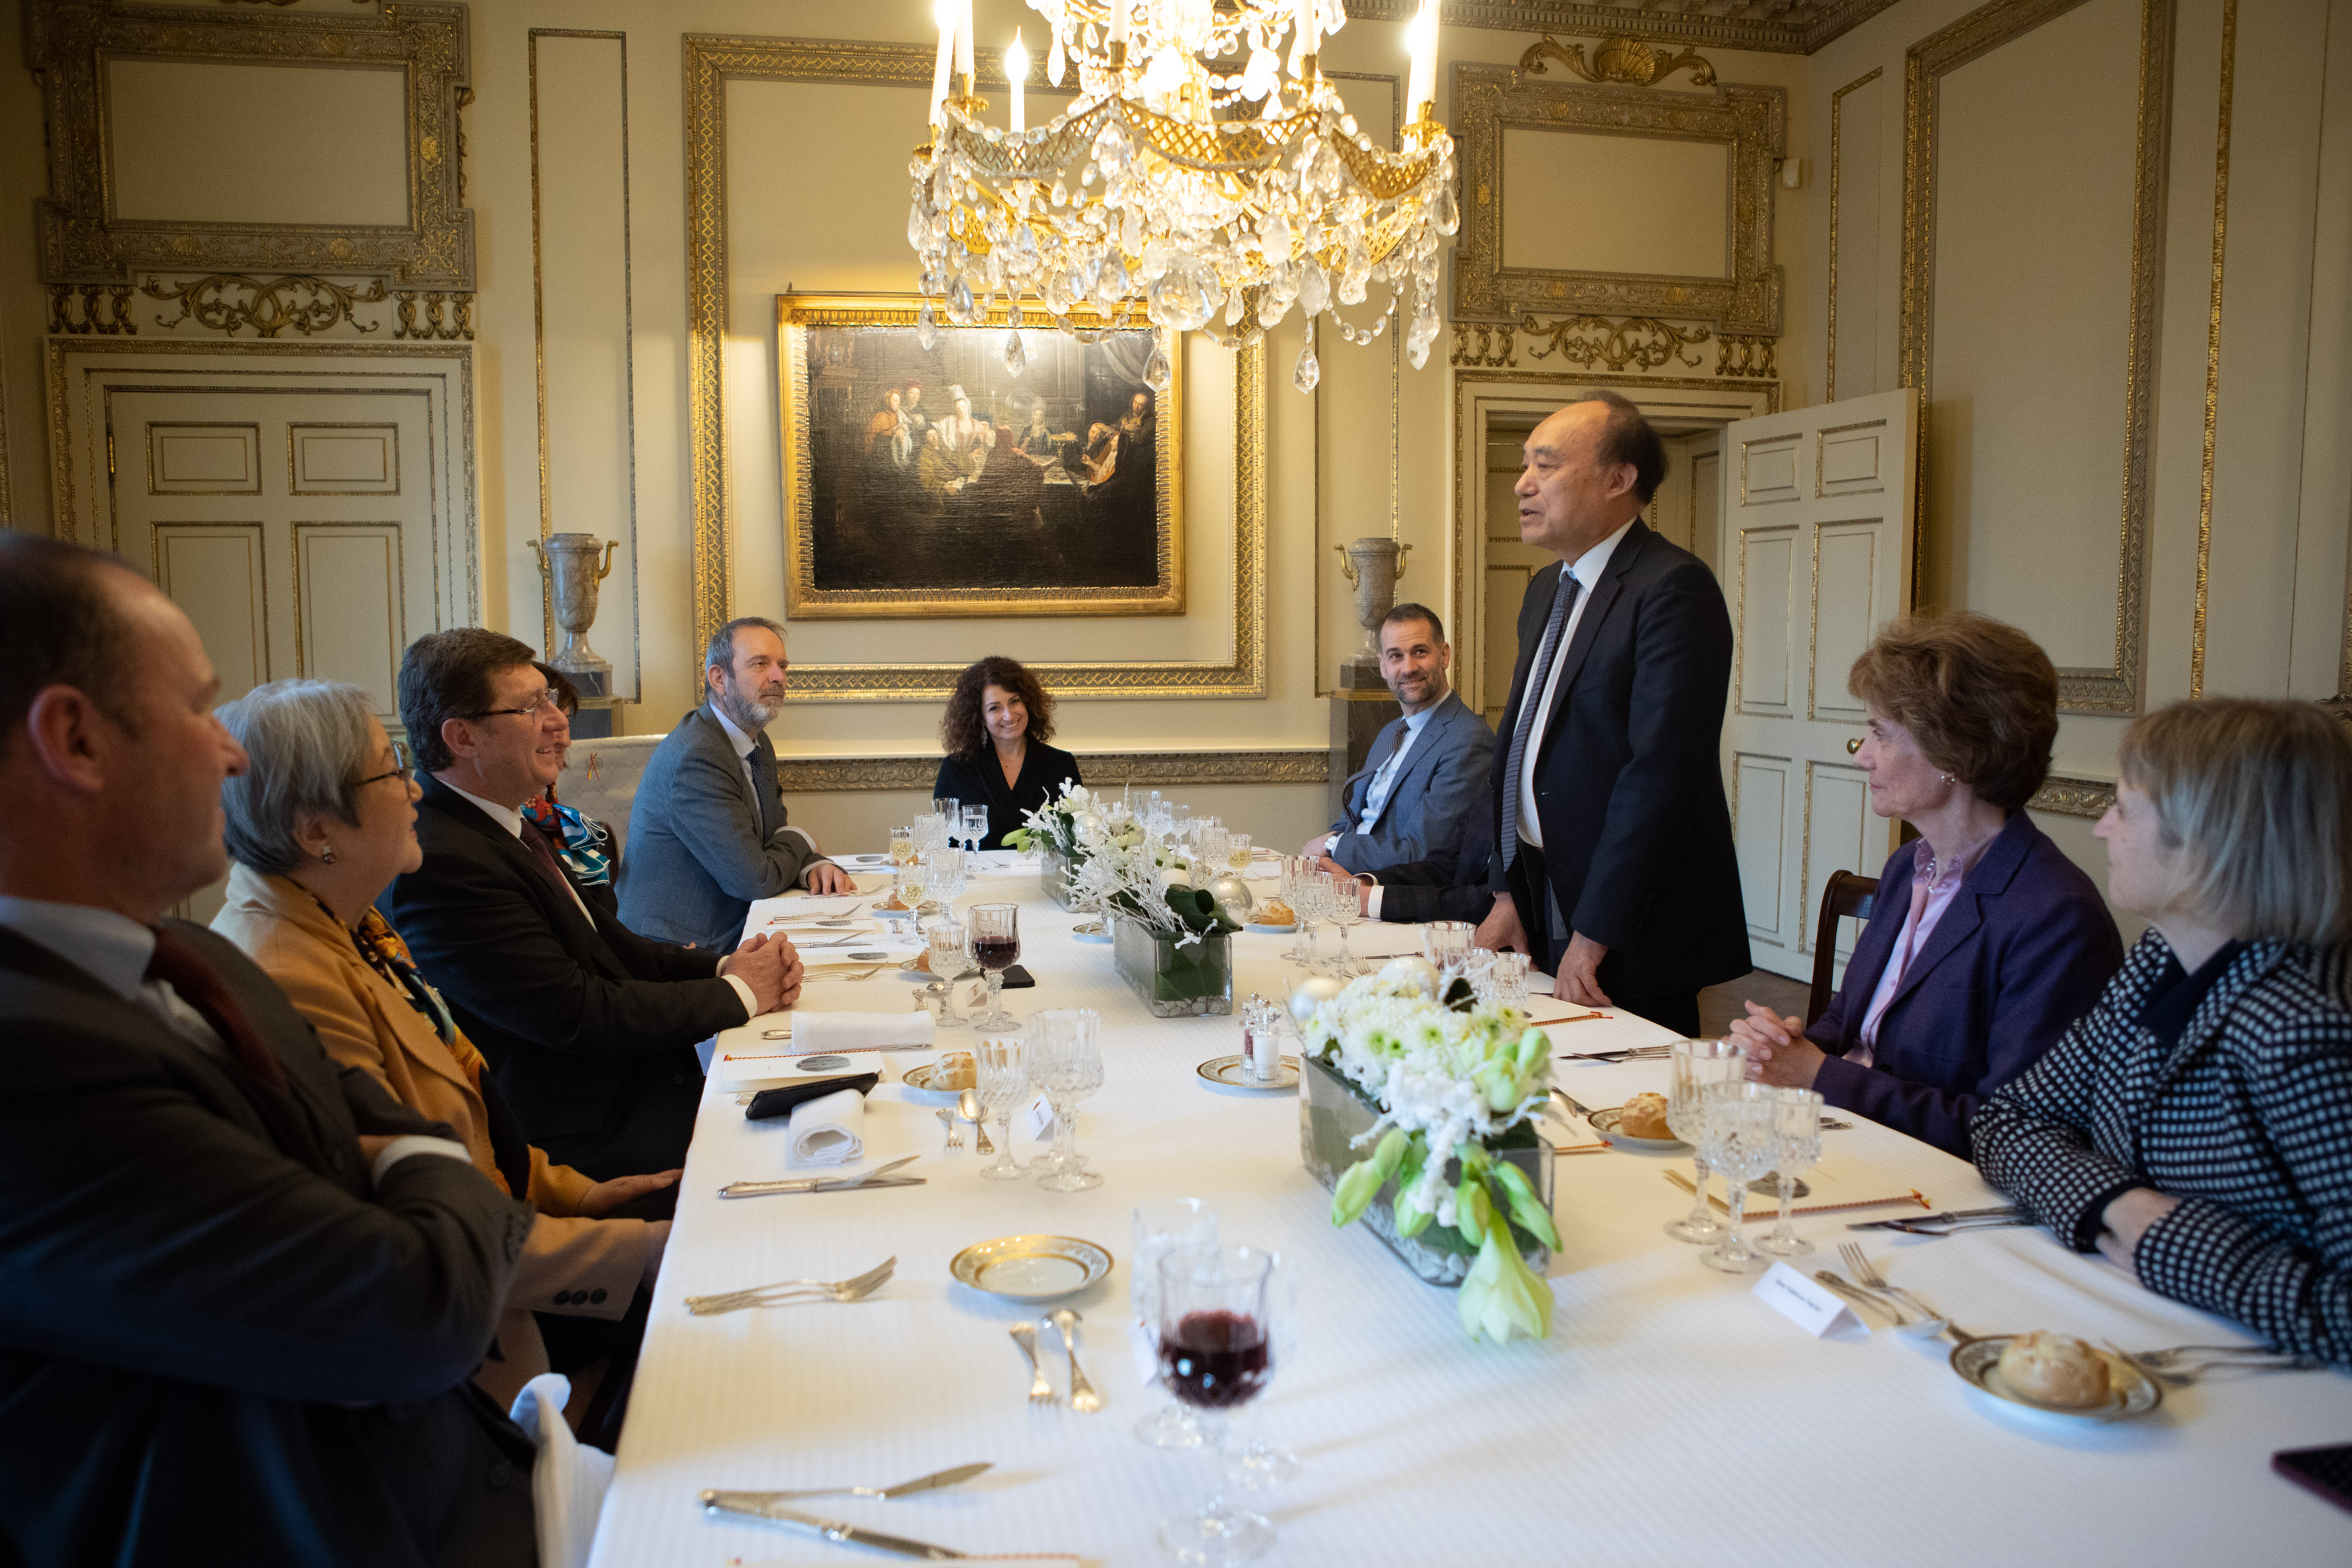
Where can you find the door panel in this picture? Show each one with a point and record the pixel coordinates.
(1817, 508)
(212, 571)
(348, 590)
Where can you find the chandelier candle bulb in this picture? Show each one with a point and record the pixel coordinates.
(1420, 37)
(945, 11)
(1017, 71)
(964, 42)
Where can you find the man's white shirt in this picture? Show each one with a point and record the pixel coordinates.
(1587, 571)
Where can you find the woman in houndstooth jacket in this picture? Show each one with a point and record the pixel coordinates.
(2190, 1127)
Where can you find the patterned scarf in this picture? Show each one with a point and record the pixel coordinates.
(585, 844)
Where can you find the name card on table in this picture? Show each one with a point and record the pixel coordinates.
(1813, 1308)
(1039, 1120)
(1143, 1343)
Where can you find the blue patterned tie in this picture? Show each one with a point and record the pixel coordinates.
(1538, 673)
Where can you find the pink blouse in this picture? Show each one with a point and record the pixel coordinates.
(1934, 885)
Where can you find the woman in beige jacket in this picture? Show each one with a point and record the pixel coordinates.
(321, 824)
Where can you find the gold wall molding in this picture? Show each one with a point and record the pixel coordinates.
(67, 42)
(81, 308)
(1738, 355)
(2118, 687)
(2213, 346)
(710, 63)
(2068, 796)
(810, 776)
(1596, 340)
(1837, 130)
(1782, 27)
(1495, 347)
(1751, 121)
(1617, 57)
(229, 302)
(432, 316)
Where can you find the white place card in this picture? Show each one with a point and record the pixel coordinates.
(1143, 1343)
(1813, 1308)
(1039, 1119)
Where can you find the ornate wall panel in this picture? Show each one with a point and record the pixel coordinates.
(1782, 27)
(1102, 769)
(70, 42)
(1752, 121)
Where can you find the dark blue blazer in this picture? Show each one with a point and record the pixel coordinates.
(2024, 950)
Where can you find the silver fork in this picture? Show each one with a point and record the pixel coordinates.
(955, 1132)
(793, 1289)
(1041, 1391)
(2186, 1363)
(1866, 1275)
(1083, 1397)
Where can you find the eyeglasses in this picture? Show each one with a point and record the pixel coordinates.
(405, 772)
(539, 704)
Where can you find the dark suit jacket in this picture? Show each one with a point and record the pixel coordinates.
(2023, 951)
(590, 1029)
(1629, 786)
(980, 781)
(1446, 889)
(216, 1344)
(1429, 804)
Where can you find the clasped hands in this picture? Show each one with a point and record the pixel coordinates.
(771, 966)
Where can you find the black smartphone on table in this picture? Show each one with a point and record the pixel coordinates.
(2328, 1471)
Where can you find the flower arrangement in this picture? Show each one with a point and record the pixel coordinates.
(1061, 825)
(1453, 1079)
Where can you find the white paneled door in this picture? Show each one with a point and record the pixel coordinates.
(295, 527)
(1816, 553)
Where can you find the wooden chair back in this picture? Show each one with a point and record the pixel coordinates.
(1846, 894)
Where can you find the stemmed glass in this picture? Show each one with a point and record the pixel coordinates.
(1695, 1066)
(996, 944)
(1294, 880)
(950, 950)
(943, 878)
(975, 826)
(902, 844)
(1162, 1227)
(1311, 898)
(1237, 853)
(1344, 906)
(1740, 1144)
(1001, 1067)
(1796, 1149)
(1065, 1062)
(1216, 1354)
(1257, 1464)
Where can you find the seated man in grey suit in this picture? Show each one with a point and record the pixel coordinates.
(1413, 793)
(1454, 889)
(246, 1287)
(708, 833)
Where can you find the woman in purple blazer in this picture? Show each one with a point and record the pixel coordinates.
(1985, 941)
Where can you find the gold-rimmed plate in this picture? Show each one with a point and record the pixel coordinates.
(1605, 1123)
(951, 1074)
(1233, 1072)
(1030, 1268)
(2130, 1392)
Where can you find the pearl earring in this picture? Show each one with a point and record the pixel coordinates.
(327, 853)
(1946, 777)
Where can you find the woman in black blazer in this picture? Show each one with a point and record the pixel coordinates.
(997, 724)
(1986, 941)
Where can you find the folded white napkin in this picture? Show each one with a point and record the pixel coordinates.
(829, 1131)
(861, 1031)
(568, 1481)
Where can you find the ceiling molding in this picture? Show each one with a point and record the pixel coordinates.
(1799, 27)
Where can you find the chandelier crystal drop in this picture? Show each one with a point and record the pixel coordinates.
(1205, 177)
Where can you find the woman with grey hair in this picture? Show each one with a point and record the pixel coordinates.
(321, 823)
(2190, 1127)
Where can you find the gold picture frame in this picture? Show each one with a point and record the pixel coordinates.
(1751, 121)
(867, 538)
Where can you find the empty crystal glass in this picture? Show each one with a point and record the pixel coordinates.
(1694, 1068)
(975, 825)
(1740, 1143)
(1447, 942)
(1502, 979)
(1343, 905)
(1001, 1068)
(950, 952)
(1796, 1149)
(1065, 1063)
(1162, 1227)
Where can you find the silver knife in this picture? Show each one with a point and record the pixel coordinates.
(750, 1505)
(1950, 1216)
(769, 1189)
(931, 1482)
(814, 1183)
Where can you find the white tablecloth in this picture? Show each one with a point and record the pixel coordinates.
(1671, 1418)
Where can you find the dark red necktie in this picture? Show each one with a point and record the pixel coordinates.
(534, 838)
(182, 968)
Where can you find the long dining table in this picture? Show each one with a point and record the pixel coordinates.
(1672, 1416)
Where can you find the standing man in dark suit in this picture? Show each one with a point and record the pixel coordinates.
(245, 1289)
(1615, 862)
(588, 1027)
(1410, 800)
(708, 833)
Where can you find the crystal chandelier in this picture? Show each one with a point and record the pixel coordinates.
(1196, 173)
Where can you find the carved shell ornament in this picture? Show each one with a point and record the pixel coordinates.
(1617, 59)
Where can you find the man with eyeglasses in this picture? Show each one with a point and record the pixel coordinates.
(588, 1027)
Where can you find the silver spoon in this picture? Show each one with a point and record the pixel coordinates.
(967, 1106)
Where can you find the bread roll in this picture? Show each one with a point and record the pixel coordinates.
(2056, 1370)
(1644, 1116)
(1276, 913)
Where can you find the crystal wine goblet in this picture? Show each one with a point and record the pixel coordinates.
(995, 944)
(950, 954)
(1162, 1227)
(1740, 1143)
(1309, 899)
(1072, 1043)
(1258, 1462)
(902, 844)
(1237, 853)
(1216, 1355)
(1694, 1067)
(1000, 1064)
(975, 826)
(1796, 1149)
(943, 878)
(1292, 876)
(1344, 905)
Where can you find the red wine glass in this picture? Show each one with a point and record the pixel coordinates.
(1216, 1354)
(995, 946)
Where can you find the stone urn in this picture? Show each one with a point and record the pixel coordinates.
(568, 564)
(1373, 566)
